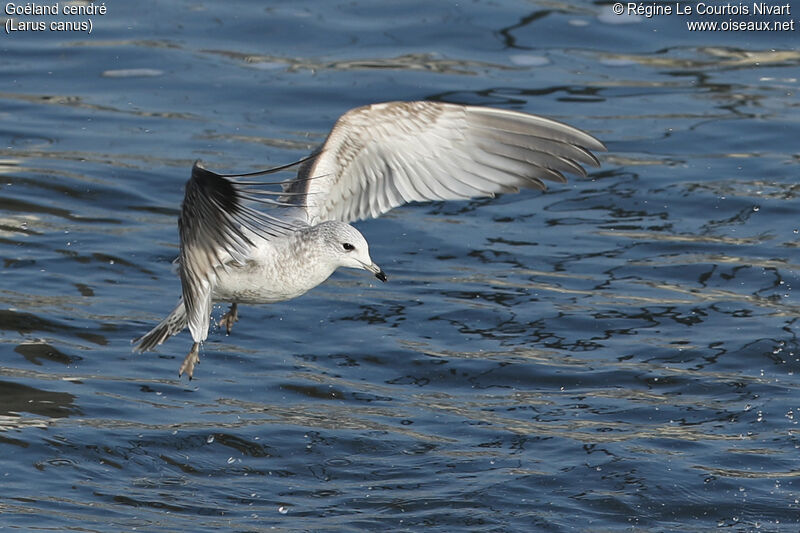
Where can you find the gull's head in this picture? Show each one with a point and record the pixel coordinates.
(348, 247)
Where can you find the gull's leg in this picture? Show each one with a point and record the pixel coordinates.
(192, 359)
(229, 318)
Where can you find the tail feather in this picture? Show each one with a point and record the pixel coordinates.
(175, 322)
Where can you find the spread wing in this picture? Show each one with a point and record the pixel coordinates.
(218, 227)
(384, 155)
(374, 159)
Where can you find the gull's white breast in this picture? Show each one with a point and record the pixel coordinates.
(277, 270)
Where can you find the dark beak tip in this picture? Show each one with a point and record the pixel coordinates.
(381, 276)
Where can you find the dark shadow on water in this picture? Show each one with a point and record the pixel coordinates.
(16, 398)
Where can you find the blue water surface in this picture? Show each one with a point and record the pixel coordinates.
(618, 352)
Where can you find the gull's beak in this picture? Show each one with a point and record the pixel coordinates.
(375, 269)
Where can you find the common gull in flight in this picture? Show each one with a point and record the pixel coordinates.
(375, 158)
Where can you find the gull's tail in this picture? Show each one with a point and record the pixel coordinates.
(173, 324)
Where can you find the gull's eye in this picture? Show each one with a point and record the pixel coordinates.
(348, 247)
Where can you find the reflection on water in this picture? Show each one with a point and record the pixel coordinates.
(620, 349)
(711, 58)
(78, 102)
(411, 62)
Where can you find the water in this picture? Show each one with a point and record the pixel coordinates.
(617, 353)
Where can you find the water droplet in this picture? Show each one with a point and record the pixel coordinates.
(210, 439)
(283, 510)
(231, 460)
(756, 208)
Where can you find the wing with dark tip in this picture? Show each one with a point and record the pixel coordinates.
(384, 155)
(217, 226)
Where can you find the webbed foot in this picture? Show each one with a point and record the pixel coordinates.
(229, 318)
(190, 361)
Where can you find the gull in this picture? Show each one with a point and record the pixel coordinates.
(375, 158)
